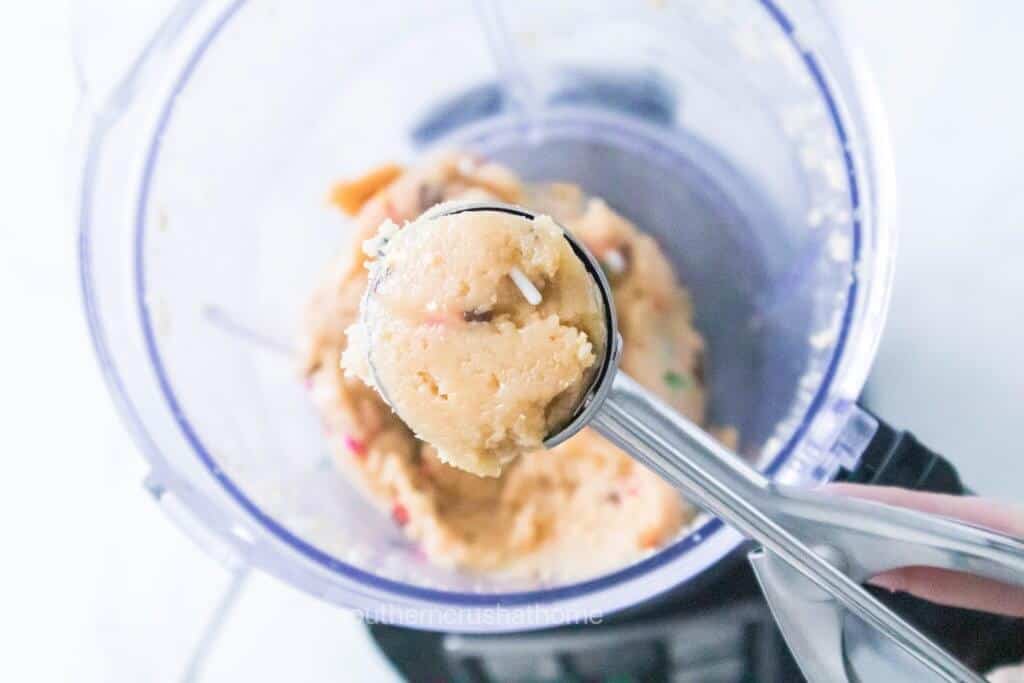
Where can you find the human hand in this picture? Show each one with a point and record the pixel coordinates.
(945, 586)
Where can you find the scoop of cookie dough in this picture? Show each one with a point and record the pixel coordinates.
(483, 332)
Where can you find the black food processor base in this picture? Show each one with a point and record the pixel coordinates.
(722, 633)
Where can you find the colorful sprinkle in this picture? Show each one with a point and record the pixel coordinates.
(675, 381)
(355, 445)
(400, 514)
(434, 320)
(529, 291)
(477, 316)
(614, 261)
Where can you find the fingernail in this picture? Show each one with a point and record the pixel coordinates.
(886, 581)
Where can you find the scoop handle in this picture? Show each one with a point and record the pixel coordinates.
(720, 482)
(895, 457)
(878, 537)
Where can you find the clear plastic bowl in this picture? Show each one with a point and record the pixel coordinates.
(739, 133)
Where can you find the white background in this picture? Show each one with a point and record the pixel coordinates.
(98, 586)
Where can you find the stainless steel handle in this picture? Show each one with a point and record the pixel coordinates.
(721, 483)
(876, 537)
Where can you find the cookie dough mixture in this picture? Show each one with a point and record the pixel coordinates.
(483, 332)
(577, 510)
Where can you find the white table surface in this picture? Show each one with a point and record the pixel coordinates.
(98, 586)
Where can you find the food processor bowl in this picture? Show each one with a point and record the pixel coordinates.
(742, 135)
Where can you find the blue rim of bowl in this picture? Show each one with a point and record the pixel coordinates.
(568, 592)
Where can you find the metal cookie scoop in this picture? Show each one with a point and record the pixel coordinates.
(606, 364)
(816, 549)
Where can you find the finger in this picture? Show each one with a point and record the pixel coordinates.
(945, 586)
(956, 589)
